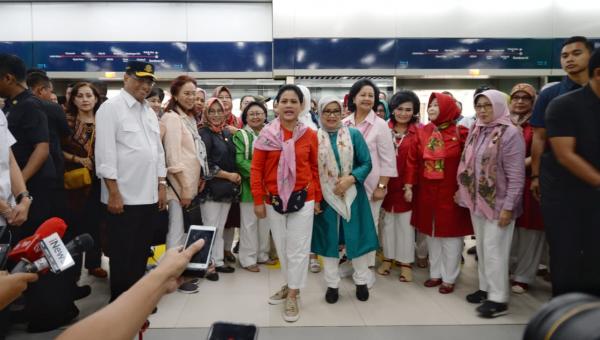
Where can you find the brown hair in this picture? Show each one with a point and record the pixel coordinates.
(176, 86)
(72, 109)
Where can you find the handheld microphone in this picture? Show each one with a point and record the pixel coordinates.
(57, 256)
(29, 247)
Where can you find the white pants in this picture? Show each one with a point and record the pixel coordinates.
(444, 257)
(215, 214)
(375, 207)
(493, 251)
(362, 274)
(421, 245)
(526, 252)
(292, 234)
(254, 236)
(398, 237)
(175, 235)
(228, 235)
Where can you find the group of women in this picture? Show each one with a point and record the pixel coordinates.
(320, 190)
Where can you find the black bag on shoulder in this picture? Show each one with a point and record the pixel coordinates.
(191, 214)
(295, 203)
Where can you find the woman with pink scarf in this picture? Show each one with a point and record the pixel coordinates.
(491, 176)
(284, 180)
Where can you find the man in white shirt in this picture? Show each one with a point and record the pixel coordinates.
(131, 161)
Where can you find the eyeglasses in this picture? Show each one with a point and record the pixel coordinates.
(332, 113)
(144, 80)
(520, 98)
(215, 113)
(255, 113)
(484, 107)
(224, 97)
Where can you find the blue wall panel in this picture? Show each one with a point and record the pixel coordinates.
(242, 56)
(23, 49)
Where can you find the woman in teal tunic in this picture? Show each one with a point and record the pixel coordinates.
(344, 163)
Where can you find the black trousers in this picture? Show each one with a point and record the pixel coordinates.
(572, 223)
(129, 238)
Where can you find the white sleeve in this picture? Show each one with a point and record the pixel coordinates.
(106, 142)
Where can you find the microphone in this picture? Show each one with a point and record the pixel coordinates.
(57, 256)
(29, 247)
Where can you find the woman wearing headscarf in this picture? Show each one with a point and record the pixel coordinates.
(383, 110)
(363, 98)
(232, 122)
(432, 165)
(397, 234)
(285, 184)
(529, 237)
(344, 164)
(222, 179)
(491, 177)
(199, 104)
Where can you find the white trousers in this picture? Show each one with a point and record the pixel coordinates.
(215, 214)
(254, 236)
(292, 234)
(362, 274)
(175, 235)
(421, 245)
(444, 257)
(375, 207)
(526, 253)
(398, 237)
(493, 251)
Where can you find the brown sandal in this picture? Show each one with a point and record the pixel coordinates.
(252, 268)
(422, 262)
(405, 273)
(385, 267)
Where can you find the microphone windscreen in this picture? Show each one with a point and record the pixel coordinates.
(51, 226)
(80, 244)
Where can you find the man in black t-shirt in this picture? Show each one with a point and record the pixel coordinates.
(572, 203)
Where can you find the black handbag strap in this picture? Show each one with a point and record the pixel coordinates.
(172, 187)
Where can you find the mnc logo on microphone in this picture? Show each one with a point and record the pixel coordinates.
(56, 253)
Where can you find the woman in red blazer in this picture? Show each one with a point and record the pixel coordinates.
(431, 167)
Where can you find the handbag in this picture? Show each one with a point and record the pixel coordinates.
(295, 203)
(80, 177)
(192, 215)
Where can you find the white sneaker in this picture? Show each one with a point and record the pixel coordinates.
(291, 313)
(280, 296)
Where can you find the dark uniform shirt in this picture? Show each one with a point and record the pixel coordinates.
(57, 128)
(29, 125)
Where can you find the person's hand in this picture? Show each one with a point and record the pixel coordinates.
(201, 185)
(174, 262)
(505, 218)
(343, 184)
(13, 285)
(260, 211)
(318, 208)
(18, 214)
(235, 178)
(378, 194)
(408, 194)
(86, 162)
(535, 189)
(185, 202)
(115, 203)
(457, 198)
(162, 197)
(232, 129)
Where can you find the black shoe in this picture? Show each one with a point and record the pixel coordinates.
(188, 288)
(236, 249)
(332, 295)
(362, 292)
(81, 292)
(491, 309)
(472, 250)
(212, 276)
(477, 297)
(225, 269)
(230, 258)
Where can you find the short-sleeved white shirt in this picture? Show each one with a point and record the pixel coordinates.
(6, 141)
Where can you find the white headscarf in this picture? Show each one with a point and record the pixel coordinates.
(305, 117)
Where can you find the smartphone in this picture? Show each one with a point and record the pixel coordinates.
(232, 331)
(202, 258)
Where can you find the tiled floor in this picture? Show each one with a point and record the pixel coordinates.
(242, 297)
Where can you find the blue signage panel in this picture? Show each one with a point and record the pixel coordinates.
(98, 56)
(22, 49)
(240, 56)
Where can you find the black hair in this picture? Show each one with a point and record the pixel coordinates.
(355, 89)
(255, 103)
(11, 64)
(156, 92)
(594, 62)
(290, 87)
(482, 88)
(37, 79)
(403, 97)
(62, 100)
(578, 38)
(36, 70)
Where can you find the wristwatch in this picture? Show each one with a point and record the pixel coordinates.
(22, 195)
(162, 183)
(381, 186)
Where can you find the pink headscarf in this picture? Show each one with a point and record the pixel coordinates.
(271, 139)
(206, 122)
(479, 190)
